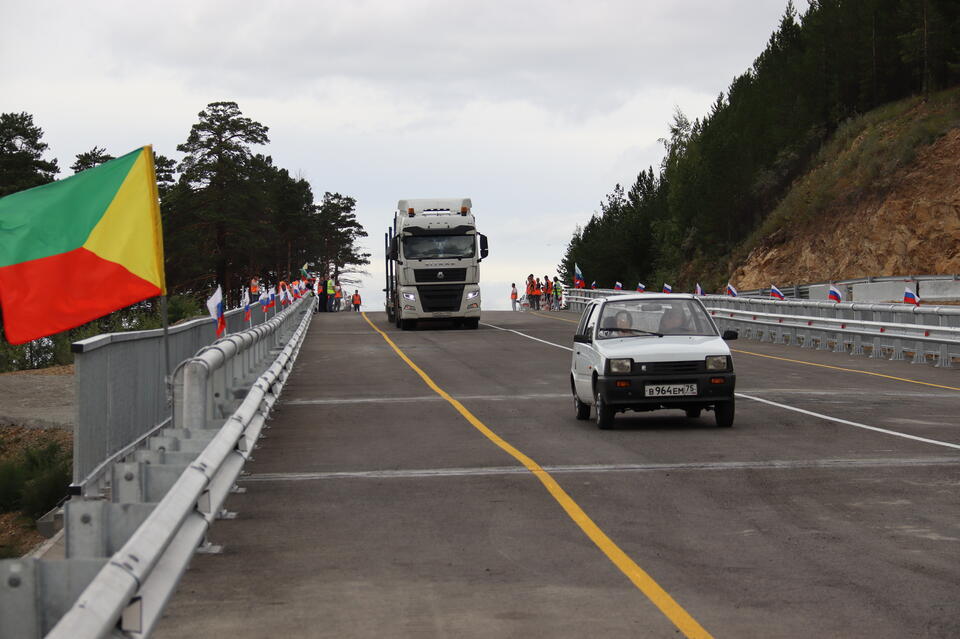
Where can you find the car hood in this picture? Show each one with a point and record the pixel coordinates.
(670, 348)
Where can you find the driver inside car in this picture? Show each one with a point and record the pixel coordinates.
(674, 322)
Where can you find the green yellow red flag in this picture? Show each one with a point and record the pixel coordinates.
(77, 249)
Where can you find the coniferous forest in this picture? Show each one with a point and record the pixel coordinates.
(228, 214)
(723, 173)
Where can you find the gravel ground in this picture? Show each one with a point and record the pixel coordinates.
(42, 398)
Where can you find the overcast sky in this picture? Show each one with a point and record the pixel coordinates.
(533, 109)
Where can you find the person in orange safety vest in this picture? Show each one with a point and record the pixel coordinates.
(356, 301)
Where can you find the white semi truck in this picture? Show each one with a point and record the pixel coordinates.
(433, 254)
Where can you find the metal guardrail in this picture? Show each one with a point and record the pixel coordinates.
(929, 334)
(122, 394)
(125, 556)
(803, 291)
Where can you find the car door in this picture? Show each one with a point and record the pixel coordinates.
(584, 355)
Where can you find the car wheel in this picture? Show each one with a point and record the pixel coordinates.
(723, 412)
(583, 410)
(408, 325)
(692, 413)
(604, 413)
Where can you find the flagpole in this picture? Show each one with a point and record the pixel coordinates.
(164, 319)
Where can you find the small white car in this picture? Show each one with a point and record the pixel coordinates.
(650, 351)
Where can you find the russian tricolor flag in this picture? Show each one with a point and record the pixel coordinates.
(731, 291)
(667, 288)
(215, 306)
(246, 304)
(909, 297)
(266, 300)
(698, 290)
(618, 286)
(834, 294)
(594, 284)
(776, 292)
(578, 277)
(640, 287)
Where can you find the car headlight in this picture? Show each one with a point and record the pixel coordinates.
(473, 294)
(716, 362)
(622, 365)
(409, 296)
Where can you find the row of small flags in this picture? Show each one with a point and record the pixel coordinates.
(268, 299)
(833, 294)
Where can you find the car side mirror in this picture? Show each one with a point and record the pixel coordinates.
(729, 336)
(582, 338)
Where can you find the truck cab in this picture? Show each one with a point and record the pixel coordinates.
(433, 255)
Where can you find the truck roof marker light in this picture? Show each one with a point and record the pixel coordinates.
(464, 210)
(410, 211)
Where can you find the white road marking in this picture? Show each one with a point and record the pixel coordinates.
(935, 442)
(828, 418)
(420, 398)
(536, 339)
(786, 464)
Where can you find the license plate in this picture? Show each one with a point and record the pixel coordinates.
(670, 390)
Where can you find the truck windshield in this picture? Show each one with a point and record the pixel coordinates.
(438, 246)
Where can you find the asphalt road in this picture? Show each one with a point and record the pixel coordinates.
(375, 508)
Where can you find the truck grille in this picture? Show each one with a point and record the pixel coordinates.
(440, 274)
(670, 368)
(436, 299)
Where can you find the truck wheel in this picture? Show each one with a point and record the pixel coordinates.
(408, 325)
(471, 322)
(604, 413)
(723, 412)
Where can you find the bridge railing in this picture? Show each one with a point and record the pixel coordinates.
(126, 554)
(122, 393)
(928, 334)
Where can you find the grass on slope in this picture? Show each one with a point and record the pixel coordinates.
(861, 159)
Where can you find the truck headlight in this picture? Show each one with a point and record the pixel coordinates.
(473, 294)
(716, 362)
(410, 296)
(621, 366)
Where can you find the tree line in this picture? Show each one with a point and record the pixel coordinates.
(723, 173)
(228, 214)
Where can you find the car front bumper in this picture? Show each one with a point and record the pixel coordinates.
(631, 393)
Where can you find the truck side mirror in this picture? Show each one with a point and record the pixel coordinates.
(582, 338)
(393, 248)
(484, 251)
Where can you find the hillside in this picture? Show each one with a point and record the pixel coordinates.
(882, 198)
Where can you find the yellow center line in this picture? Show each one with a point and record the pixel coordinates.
(848, 370)
(561, 319)
(643, 581)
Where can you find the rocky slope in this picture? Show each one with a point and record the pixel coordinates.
(876, 222)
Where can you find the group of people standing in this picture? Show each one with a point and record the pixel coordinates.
(331, 294)
(545, 295)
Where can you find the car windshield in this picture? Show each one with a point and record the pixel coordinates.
(438, 246)
(642, 318)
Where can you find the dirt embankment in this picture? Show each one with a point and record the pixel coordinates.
(43, 398)
(906, 223)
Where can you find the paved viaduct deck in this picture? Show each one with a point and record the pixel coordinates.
(376, 508)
